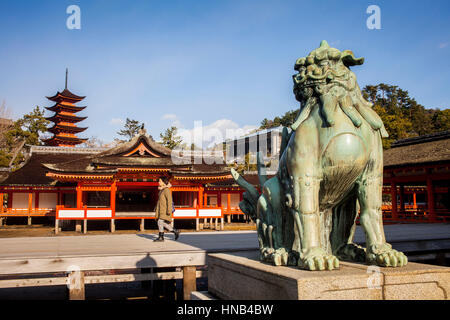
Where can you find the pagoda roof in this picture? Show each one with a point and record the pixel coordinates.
(65, 95)
(66, 117)
(58, 107)
(64, 140)
(60, 127)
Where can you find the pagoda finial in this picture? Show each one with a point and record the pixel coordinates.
(67, 73)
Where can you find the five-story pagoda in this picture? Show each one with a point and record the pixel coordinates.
(64, 128)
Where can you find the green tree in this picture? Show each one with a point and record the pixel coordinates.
(441, 120)
(131, 128)
(265, 123)
(286, 120)
(26, 130)
(29, 127)
(170, 138)
(396, 125)
(402, 115)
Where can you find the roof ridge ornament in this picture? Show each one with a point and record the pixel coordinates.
(142, 131)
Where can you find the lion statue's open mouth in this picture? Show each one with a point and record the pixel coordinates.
(324, 75)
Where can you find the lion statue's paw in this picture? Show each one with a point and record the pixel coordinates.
(277, 257)
(351, 252)
(384, 256)
(317, 259)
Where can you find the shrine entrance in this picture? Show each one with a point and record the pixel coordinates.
(136, 200)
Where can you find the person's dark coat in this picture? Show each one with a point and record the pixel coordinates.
(163, 208)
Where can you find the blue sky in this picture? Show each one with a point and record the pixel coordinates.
(225, 63)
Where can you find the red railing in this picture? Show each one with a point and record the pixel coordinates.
(34, 212)
(417, 216)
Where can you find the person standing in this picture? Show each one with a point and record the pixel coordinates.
(164, 209)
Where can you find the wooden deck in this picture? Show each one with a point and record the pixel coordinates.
(67, 254)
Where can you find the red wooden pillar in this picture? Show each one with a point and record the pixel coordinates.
(200, 197)
(394, 200)
(30, 202)
(414, 200)
(36, 201)
(112, 201)
(229, 206)
(79, 196)
(205, 199)
(430, 199)
(402, 199)
(10, 199)
(1, 203)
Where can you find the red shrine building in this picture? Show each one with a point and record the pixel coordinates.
(84, 184)
(417, 179)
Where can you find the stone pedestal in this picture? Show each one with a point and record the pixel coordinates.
(241, 276)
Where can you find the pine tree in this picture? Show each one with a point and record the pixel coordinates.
(170, 138)
(131, 128)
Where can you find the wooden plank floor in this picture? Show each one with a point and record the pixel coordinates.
(89, 252)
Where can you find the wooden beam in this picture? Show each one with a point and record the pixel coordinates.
(75, 284)
(56, 226)
(78, 226)
(189, 281)
(98, 279)
(34, 282)
(102, 262)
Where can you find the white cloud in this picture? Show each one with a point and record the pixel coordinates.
(169, 116)
(442, 45)
(117, 122)
(206, 136)
(173, 118)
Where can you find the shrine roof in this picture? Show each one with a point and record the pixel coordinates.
(32, 172)
(434, 148)
(140, 153)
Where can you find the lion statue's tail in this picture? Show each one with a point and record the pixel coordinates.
(250, 197)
